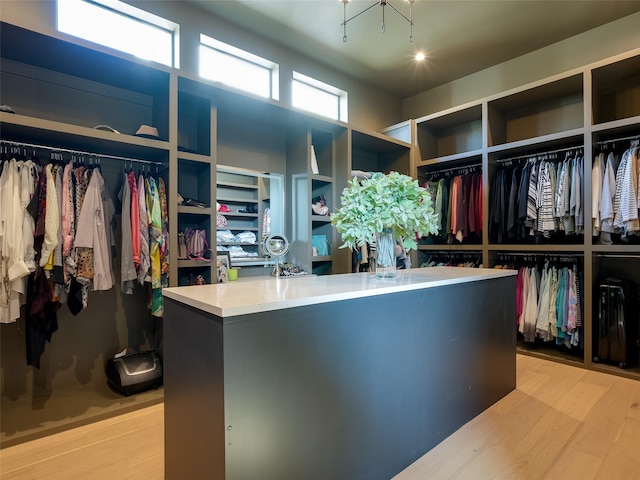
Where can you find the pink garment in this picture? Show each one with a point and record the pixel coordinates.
(455, 191)
(145, 260)
(135, 219)
(458, 212)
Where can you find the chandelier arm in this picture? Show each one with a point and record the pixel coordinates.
(358, 14)
(411, 21)
(399, 12)
(382, 3)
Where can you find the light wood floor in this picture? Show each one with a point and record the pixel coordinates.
(561, 423)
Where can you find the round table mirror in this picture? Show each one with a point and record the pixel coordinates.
(276, 245)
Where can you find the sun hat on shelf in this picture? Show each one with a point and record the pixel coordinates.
(147, 131)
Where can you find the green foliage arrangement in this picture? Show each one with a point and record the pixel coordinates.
(393, 201)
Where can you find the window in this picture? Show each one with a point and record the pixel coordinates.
(234, 67)
(314, 96)
(139, 33)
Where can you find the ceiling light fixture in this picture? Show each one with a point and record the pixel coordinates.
(382, 3)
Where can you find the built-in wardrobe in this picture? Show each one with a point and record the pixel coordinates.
(557, 129)
(74, 103)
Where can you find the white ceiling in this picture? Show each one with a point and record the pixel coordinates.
(459, 36)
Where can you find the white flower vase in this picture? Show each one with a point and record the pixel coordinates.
(385, 254)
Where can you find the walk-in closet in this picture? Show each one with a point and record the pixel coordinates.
(539, 147)
(527, 176)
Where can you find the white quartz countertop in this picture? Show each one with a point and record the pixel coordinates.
(267, 294)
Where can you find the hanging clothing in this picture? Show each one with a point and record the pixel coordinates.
(145, 261)
(92, 234)
(57, 242)
(41, 311)
(13, 247)
(127, 266)
(548, 304)
(597, 178)
(155, 243)
(458, 207)
(134, 219)
(51, 221)
(626, 220)
(537, 201)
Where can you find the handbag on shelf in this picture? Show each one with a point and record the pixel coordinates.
(196, 245)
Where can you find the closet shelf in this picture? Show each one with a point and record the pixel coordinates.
(244, 244)
(321, 258)
(236, 200)
(322, 178)
(250, 261)
(238, 229)
(537, 249)
(241, 186)
(545, 142)
(239, 215)
(194, 210)
(321, 218)
(470, 155)
(453, 248)
(622, 125)
(23, 128)
(375, 141)
(616, 249)
(193, 263)
(194, 157)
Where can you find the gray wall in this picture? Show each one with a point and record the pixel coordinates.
(600, 43)
(368, 107)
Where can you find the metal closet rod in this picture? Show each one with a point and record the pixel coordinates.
(540, 254)
(437, 253)
(613, 255)
(603, 142)
(532, 155)
(77, 152)
(475, 165)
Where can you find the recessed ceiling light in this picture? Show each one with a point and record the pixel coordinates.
(420, 56)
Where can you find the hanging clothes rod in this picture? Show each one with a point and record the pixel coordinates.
(540, 254)
(613, 255)
(77, 152)
(462, 167)
(604, 142)
(434, 253)
(533, 155)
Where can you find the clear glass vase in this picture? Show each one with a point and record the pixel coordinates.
(385, 254)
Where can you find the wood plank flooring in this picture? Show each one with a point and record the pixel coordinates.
(561, 423)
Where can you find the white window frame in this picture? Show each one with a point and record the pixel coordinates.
(131, 16)
(324, 88)
(242, 58)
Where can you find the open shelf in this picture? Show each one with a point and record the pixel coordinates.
(547, 109)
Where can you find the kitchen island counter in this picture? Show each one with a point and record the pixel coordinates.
(331, 377)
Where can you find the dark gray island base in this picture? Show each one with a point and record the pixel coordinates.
(349, 389)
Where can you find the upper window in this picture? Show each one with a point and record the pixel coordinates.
(115, 24)
(234, 67)
(314, 96)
